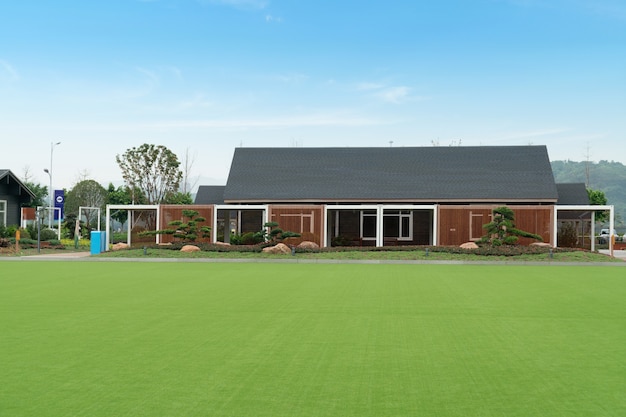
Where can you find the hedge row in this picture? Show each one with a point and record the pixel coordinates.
(505, 250)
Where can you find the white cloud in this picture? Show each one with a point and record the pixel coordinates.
(198, 101)
(393, 94)
(369, 86)
(311, 120)
(292, 78)
(9, 72)
(273, 19)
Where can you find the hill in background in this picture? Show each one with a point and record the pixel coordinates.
(609, 177)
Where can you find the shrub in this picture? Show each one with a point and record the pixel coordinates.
(26, 243)
(502, 231)
(187, 231)
(48, 234)
(249, 238)
(568, 236)
(7, 231)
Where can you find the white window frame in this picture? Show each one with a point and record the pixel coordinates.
(362, 218)
(3, 212)
(403, 214)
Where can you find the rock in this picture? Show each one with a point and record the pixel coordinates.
(541, 244)
(307, 244)
(119, 246)
(280, 248)
(190, 248)
(469, 245)
(221, 244)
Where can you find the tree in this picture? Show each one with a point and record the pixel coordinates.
(119, 196)
(188, 182)
(275, 234)
(41, 193)
(186, 231)
(597, 198)
(86, 193)
(178, 198)
(502, 231)
(152, 170)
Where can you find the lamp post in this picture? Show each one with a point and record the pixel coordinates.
(50, 193)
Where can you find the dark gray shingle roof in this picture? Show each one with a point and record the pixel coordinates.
(572, 194)
(485, 173)
(210, 194)
(6, 173)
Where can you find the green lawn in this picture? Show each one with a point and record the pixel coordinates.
(258, 339)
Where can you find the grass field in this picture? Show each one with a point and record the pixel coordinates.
(244, 339)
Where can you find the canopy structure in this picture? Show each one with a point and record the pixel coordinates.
(592, 209)
(131, 208)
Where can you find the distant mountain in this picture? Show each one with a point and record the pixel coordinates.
(606, 176)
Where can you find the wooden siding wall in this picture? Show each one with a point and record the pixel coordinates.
(304, 219)
(460, 224)
(171, 212)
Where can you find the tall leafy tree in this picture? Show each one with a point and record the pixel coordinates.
(152, 170)
(178, 198)
(597, 198)
(122, 195)
(86, 193)
(41, 194)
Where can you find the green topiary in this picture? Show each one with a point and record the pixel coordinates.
(501, 230)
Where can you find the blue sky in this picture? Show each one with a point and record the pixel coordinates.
(206, 76)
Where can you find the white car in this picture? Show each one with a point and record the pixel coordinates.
(604, 235)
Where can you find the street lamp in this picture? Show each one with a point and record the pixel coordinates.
(50, 193)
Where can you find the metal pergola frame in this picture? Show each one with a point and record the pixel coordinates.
(592, 209)
(131, 208)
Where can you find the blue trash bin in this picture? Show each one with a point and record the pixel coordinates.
(96, 242)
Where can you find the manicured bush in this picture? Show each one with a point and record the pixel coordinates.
(48, 234)
(249, 238)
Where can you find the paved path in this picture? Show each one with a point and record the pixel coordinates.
(619, 254)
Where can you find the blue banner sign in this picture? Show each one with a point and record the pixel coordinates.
(59, 202)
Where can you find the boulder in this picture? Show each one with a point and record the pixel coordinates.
(307, 244)
(221, 244)
(119, 246)
(469, 245)
(280, 248)
(190, 248)
(541, 244)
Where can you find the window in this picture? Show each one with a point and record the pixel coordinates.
(3, 212)
(398, 224)
(368, 225)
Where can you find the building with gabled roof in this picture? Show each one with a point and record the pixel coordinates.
(386, 196)
(13, 195)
